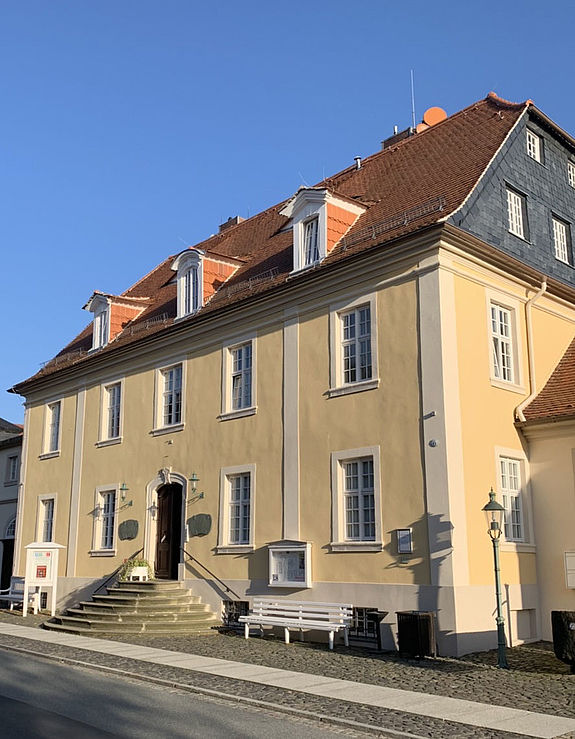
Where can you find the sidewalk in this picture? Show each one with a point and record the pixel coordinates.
(466, 713)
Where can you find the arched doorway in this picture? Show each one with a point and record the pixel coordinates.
(168, 531)
(7, 554)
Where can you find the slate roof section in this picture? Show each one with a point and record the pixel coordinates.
(405, 188)
(10, 433)
(556, 402)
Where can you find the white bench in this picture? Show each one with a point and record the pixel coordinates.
(15, 594)
(300, 615)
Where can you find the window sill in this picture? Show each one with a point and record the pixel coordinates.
(240, 413)
(49, 455)
(235, 549)
(511, 386)
(517, 546)
(109, 442)
(356, 546)
(102, 553)
(168, 429)
(356, 387)
(10, 483)
(305, 268)
(521, 238)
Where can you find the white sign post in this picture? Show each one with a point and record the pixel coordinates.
(41, 570)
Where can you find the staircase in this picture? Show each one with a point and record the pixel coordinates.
(153, 607)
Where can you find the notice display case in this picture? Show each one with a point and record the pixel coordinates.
(290, 564)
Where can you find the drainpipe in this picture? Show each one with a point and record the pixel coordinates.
(530, 354)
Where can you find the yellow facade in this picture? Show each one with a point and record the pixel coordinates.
(436, 418)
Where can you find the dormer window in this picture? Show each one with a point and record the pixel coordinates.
(311, 229)
(320, 219)
(188, 266)
(99, 305)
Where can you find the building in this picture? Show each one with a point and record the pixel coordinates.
(315, 402)
(10, 456)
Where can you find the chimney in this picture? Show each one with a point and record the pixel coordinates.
(232, 221)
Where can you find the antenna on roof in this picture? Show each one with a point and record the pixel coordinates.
(412, 101)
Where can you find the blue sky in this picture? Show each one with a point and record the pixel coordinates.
(133, 128)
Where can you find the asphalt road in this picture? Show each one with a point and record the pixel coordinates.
(45, 700)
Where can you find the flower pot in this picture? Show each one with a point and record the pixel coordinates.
(138, 573)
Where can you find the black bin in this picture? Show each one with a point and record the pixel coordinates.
(416, 633)
(563, 625)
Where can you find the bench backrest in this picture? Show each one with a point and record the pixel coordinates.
(303, 610)
(17, 586)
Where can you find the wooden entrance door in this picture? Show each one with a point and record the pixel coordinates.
(7, 558)
(169, 533)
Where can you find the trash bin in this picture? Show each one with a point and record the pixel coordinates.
(376, 618)
(563, 625)
(416, 633)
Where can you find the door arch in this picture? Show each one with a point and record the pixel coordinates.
(167, 490)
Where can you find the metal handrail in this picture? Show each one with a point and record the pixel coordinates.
(228, 589)
(132, 556)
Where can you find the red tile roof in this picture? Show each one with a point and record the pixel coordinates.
(556, 402)
(406, 187)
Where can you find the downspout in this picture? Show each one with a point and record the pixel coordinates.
(530, 354)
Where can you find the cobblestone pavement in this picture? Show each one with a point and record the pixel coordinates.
(537, 681)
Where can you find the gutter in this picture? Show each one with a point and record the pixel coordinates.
(519, 415)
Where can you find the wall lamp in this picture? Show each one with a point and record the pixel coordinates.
(123, 490)
(194, 480)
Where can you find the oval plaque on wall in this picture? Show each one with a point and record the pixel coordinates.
(199, 525)
(128, 530)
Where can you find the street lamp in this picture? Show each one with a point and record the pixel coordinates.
(494, 515)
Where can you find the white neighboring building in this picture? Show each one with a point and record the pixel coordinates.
(10, 457)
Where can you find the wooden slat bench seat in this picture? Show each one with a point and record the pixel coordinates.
(301, 616)
(15, 594)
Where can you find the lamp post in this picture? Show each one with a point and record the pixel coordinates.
(494, 515)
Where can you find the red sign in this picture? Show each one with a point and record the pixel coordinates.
(41, 571)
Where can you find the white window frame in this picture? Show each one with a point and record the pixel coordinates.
(12, 469)
(160, 375)
(527, 541)
(337, 383)
(571, 173)
(516, 213)
(98, 550)
(227, 406)
(51, 442)
(104, 438)
(188, 263)
(41, 517)
(340, 542)
(227, 474)
(534, 145)
(310, 241)
(100, 306)
(561, 239)
(512, 305)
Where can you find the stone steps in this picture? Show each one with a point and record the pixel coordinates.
(155, 606)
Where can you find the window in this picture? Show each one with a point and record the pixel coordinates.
(237, 498)
(11, 529)
(238, 378)
(52, 425)
(502, 343)
(561, 240)
(104, 534)
(511, 488)
(353, 347)
(356, 345)
(534, 146)
(111, 412)
(108, 506)
(516, 213)
(359, 501)
(189, 268)
(242, 376)
(356, 514)
(45, 524)
(172, 395)
(239, 514)
(571, 173)
(311, 244)
(12, 469)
